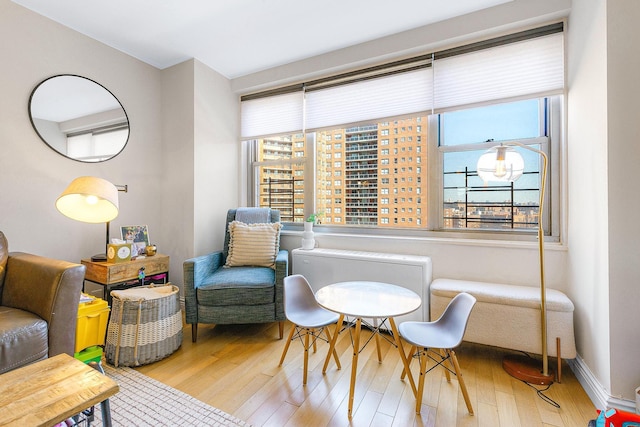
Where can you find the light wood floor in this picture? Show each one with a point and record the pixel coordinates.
(235, 368)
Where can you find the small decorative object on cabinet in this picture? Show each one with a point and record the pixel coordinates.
(118, 253)
(137, 235)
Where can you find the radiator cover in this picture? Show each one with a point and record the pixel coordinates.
(325, 266)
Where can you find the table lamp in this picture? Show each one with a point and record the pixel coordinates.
(504, 163)
(91, 199)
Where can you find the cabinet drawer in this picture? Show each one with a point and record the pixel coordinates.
(107, 273)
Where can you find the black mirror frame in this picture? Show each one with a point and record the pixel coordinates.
(95, 82)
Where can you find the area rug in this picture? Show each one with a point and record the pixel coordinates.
(143, 401)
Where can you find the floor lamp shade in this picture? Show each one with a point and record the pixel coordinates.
(89, 199)
(500, 163)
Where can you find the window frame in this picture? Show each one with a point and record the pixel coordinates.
(552, 144)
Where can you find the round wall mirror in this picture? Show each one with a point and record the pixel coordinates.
(79, 118)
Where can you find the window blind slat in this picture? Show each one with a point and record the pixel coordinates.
(272, 115)
(388, 96)
(525, 68)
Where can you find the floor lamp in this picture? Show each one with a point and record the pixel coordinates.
(504, 163)
(93, 200)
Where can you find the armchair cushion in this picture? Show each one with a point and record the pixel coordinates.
(253, 244)
(23, 338)
(238, 286)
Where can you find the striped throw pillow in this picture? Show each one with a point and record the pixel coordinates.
(253, 244)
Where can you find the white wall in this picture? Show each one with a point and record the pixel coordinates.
(177, 169)
(501, 262)
(603, 156)
(623, 158)
(587, 169)
(216, 157)
(200, 131)
(32, 175)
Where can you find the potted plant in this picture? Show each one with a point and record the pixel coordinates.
(313, 218)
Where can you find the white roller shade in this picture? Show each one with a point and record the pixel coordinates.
(272, 115)
(531, 67)
(389, 96)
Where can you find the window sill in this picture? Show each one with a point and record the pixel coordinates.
(459, 238)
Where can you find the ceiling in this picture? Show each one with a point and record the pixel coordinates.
(240, 37)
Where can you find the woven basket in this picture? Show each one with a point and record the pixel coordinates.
(143, 330)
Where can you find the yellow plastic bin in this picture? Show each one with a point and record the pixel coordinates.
(93, 317)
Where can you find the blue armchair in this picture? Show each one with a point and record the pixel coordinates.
(234, 295)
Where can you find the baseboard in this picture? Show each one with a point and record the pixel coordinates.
(598, 395)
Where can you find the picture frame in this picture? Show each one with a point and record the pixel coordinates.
(138, 235)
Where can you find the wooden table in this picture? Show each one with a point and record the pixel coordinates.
(52, 390)
(374, 300)
(115, 275)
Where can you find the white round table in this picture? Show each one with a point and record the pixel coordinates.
(364, 299)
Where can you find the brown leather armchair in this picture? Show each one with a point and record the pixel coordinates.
(38, 307)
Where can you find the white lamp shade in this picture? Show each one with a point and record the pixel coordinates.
(500, 163)
(89, 199)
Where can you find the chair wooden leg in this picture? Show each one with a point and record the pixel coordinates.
(332, 346)
(315, 347)
(377, 332)
(463, 387)
(281, 329)
(286, 345)
(194, 332)
(306, 355)
(412, 351)
(423, 371)
(354, 364)
(335, 353)
(443, 353)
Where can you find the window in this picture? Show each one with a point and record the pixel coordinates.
(440, 113)
(469, 203)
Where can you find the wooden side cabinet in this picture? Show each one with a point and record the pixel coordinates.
(125, 275)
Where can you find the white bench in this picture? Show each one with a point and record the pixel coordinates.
(508, 316)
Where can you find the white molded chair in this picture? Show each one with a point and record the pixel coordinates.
(308, 318)
(444, 334)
